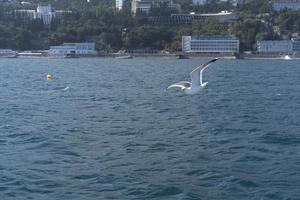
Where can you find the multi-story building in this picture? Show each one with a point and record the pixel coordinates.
(210, 44)
(223, 16)
(73, 48)
(43, 12)
(296, 46)
(31, 14)
(286, 4)
(203, 2)
(145, 5)
(278, 46)
(60, 13)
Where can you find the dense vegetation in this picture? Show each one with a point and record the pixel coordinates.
(99, 22)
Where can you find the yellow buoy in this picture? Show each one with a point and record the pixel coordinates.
(49, 77)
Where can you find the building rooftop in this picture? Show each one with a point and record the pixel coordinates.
(225, 37)
(285, 1)
(222, 13)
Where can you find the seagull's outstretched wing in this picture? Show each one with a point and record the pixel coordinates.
(181, 85)
(196, 74)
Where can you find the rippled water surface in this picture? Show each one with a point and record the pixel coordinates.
(107, 129)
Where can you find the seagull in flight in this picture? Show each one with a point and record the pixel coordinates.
(196, 83)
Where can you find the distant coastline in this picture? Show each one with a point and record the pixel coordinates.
(39, 54)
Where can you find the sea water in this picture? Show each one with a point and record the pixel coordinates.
(107, 129)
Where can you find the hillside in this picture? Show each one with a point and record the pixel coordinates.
(99, 22)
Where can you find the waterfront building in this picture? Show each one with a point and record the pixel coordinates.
(73, 48)
(210, 44)
(286, 4)
(145, 5)
(8, 53)
(296, 46)
(278, 46)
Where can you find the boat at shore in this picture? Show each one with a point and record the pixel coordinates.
(238, 56)
(124, 57)
(287, 57)
(71, 55)
(8, 53)
(181, 56)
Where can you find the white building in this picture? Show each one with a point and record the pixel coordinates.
(296, 46)
(43, 12)
(73, 48)
(31, 14)
(210, 44)
(233, 2)
(223, 16)
(286, 4)
(8, 53)
(278, 46)
(119, 4)
(145, 5)
(60, 13)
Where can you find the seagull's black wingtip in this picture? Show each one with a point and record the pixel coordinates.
(214, 60)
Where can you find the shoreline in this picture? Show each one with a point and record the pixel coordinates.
(170, 55)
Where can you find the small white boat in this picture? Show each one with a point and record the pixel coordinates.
(124, 57)
(287, 57)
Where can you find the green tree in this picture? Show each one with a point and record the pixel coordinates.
(246, 31)
(256, 7)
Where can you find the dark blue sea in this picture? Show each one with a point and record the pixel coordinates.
(107, 129)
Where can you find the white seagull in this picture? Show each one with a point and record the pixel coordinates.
(196, 76)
